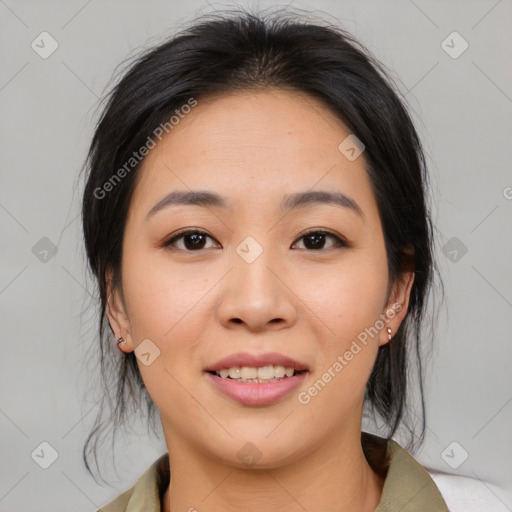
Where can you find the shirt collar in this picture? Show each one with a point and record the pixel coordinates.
(408, 487)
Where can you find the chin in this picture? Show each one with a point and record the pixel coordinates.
(255, 450)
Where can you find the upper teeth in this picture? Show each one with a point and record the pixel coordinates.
(261, 373)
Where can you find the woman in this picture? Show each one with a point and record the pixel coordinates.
(255, 217)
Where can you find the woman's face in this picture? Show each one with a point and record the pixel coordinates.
(253, 290)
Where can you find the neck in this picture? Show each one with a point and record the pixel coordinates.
(335, 477)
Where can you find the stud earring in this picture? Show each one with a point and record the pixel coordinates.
(389, 333)
(120, 341)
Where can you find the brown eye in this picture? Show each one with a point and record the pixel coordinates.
(316, 240)
(189, 241)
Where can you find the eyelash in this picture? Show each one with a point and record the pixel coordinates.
(340, 242)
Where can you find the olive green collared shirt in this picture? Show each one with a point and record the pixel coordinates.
(407, 487)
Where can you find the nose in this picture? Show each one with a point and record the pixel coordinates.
(256, 296)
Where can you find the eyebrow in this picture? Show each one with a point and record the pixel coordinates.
(198, 198)
(289, 202)
(313, 197)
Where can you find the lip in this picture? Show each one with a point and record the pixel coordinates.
(245, 359)
(257, 393)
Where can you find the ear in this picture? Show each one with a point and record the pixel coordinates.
(397, 305)
(117, 315)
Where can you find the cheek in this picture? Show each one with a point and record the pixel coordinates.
(169, 306)
(348, 302)
(165, 303)
(349, 296)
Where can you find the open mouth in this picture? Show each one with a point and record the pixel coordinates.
(257, 380)
(257, 375)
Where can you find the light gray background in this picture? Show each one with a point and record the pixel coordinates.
(463, 107)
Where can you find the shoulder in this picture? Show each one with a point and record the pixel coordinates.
(146, 493)
(464, 494)
(408, 487)
(119, 504)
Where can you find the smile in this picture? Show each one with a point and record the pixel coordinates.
(256, 380)
(269, 373)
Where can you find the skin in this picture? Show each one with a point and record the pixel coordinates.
(199, 306)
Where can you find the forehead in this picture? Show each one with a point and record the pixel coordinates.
(260, 143)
